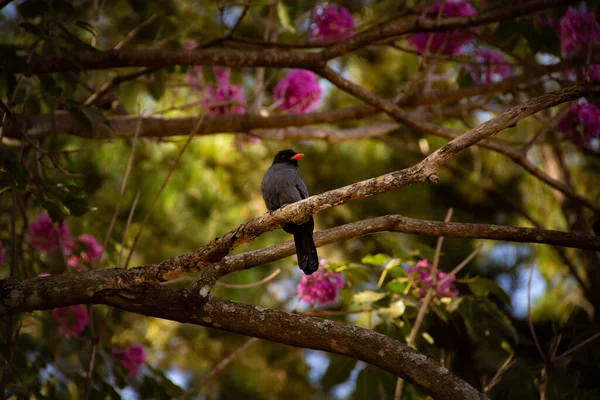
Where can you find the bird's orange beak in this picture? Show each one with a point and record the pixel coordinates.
(297, 156)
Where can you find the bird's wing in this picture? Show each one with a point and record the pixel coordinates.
(301, 187)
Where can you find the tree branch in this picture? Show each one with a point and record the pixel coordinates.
(462, 141)
(29, 297)
(416, 25)
(158, 58)
(198, 307)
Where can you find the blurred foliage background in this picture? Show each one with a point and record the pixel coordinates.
(215, 188)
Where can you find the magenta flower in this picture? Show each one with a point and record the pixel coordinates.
(449, 42)
(420, 277)
(581, 124)
(2, 252)
(132, 358)
(491, 67)
(578, 30)
(298, 91)
(331, 23)
(72, 320)
(43, 234)
(321, 287)
(93, 249)
(190, 44)
(224, 98)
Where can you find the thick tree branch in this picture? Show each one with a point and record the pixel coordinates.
(462, 141)
(124, 127)
(158, 58)
(415, 25)
(198, 307)
(117, 279)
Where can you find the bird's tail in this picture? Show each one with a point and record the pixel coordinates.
(308, 260)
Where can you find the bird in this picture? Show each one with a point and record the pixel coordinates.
(283, 185)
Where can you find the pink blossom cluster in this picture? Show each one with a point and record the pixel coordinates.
(331, 23)
(578, 30)
(224, 98)
(72, 320)
(420, 276)
(48, 237)
(90, 252)
(132, 358)
(298, 91)
(321, 287)
(491, 67)
(581, 124)
(448, 42)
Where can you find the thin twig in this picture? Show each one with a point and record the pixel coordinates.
(430, 292)
(162, 187)
(135, 31)
(529, 319)
(333, 313)
(577, 347)
(127, 225)
(460, 266)
(504, 367)
(218, 368)
(123, 188)
(250, 285)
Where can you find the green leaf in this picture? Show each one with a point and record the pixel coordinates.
(31, 28)
(395, 310)
(156, 86)
(397, 271)
(428, 338)
(284, 17)
(377, 259)
(56, 210)
(398, 285)
(482, 287)
(74, 199)
(171, 389)
(86, 26)
(338, 371)
(368, 296)
(373, 383)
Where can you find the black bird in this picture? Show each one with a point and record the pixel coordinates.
(282, 185)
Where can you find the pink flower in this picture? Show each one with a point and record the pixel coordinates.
(75, 262)
(224, 98)
(93, 249)
(575, 29)
(44, 274)
(492, 67)
(298, 91)
(190, 44)
(321, 287)
(2, 252)
(581, 124)
(331, 23)
(42, 234)
(132, 358)
(72, 320)
(449, 42)
(420, 276)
